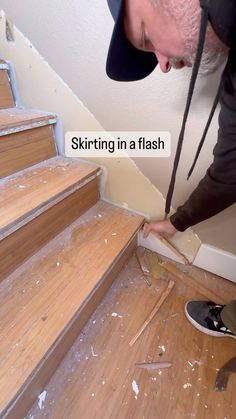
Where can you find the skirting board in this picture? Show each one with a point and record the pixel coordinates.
(216, 261)
(152, 243)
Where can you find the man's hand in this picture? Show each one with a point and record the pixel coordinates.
(164, 228)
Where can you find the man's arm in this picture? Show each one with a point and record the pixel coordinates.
(217, 190)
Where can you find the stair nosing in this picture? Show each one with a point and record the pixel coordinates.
(25, 127)
(26, 218)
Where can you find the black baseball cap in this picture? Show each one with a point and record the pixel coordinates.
(124, 61)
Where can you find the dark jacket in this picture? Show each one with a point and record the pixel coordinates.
(217, 190)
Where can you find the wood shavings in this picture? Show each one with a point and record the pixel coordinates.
(135, 389)
(93, 353)
(187, 385)
(154, 365)
(41, 399)
(116, 315)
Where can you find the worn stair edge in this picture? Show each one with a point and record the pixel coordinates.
(42, 372)
(21, 221)
(26, 241)
(18, 120)
(33, 125)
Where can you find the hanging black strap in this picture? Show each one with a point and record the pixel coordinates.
(202, 36)
(207, 127)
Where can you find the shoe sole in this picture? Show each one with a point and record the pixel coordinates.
(204, 329)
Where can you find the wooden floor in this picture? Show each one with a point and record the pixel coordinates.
(98, 378)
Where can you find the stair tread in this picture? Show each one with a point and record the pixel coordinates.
(30, 190)
(41, 297)
(14, 117)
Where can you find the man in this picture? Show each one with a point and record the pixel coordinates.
(198, 34)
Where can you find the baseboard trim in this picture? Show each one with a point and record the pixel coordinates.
(217, 261)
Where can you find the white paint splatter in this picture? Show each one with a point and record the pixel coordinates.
(41, 399)
(99, 215)
(187, 385)
(92, 351)
(92, 394)
(135, 389)
(114, 234)
(22, 186)
(162, 347)
(105, 241)
(58, 263)
(103, 382)
(116, 315)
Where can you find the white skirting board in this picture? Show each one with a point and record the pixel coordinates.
(216, 261)
(152, 243)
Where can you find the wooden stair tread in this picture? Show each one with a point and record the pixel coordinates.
(40, 298)
(34, 188)
(15, 117)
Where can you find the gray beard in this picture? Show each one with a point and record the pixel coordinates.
(210, 62)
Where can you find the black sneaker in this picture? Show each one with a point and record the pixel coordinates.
(205, 316)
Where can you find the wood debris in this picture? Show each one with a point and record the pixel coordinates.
(155, 309)
(154, 365)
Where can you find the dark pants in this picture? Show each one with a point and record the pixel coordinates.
(228, 315)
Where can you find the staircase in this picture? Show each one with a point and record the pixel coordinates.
(60, 250)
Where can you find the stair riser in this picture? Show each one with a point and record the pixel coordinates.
(38, 380)
(24, 149)
(6, 97)
(27, 240)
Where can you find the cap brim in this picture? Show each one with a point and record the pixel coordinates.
(124, 61)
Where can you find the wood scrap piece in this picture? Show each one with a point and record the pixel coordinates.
(154, 365)
(143, 262)
(155, 309)
(172, 248)
(191, 282)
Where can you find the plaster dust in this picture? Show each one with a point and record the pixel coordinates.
(41, 87)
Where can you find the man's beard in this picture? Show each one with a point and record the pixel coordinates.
(210, 61)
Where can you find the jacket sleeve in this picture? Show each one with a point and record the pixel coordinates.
(217, 190)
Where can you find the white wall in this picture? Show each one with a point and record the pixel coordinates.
(73, 36)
